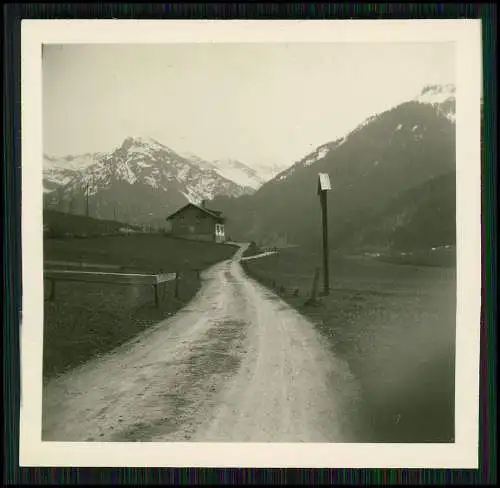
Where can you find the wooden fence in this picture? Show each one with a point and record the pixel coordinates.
(54, 275)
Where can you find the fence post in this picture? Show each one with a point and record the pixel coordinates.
(177, 277)
(157, 298)
(314, 290)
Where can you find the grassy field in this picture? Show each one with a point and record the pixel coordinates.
(88, 319)
(139, 252)
(395, 326)
(59, 224)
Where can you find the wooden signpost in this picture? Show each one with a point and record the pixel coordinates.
(324, 186)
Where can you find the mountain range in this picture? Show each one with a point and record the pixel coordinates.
(393, 185)
(140, 182)
(392, 176)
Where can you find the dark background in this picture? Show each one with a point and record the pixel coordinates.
(12, 286)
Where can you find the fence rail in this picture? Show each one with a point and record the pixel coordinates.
(54, 275)
(257, 256)
(79, 264)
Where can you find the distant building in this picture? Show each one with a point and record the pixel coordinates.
(198, 222)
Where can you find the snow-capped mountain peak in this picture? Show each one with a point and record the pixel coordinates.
(436, 94)
(441, 97)
(142, 178)
(143, 144)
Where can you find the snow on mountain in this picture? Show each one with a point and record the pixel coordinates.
(234, 170)
(143, 175)
(381, 174)
(442, 97)
(320, 153)
(73, 163)
(59, 171)
(268, 172)
(238, 172)
(436, 94)
(154, 164)
(202, 163)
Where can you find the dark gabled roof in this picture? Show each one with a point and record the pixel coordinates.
(213, 213)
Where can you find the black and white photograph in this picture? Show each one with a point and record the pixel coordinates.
(256, 240)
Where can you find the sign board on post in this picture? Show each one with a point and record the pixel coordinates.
(324, 185)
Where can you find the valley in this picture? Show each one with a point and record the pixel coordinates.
(389, 177)
(250, 356)
(392, 175)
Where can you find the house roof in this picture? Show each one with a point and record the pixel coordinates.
(212, 213)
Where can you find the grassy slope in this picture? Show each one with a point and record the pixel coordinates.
(394, 325)
(90, 319)
(59, 223)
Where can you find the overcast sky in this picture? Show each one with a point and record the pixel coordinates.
(259, 103)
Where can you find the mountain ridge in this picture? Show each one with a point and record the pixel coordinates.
(59, 170)
(142, 178)
(386, 155)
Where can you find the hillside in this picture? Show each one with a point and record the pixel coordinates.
(378, 171)
(420, 218)
(59, 224)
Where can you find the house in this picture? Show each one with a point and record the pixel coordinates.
(197, 222)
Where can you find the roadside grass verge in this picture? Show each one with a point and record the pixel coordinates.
(252, 250)
(394, 324)
(90, 319)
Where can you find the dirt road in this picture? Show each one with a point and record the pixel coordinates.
(237, 364)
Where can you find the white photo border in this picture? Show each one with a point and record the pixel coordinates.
(463, 453)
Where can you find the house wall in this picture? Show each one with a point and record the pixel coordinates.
(194, 223)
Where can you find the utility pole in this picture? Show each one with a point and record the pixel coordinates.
(87, 195)
(323, 187)
(87, 200)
